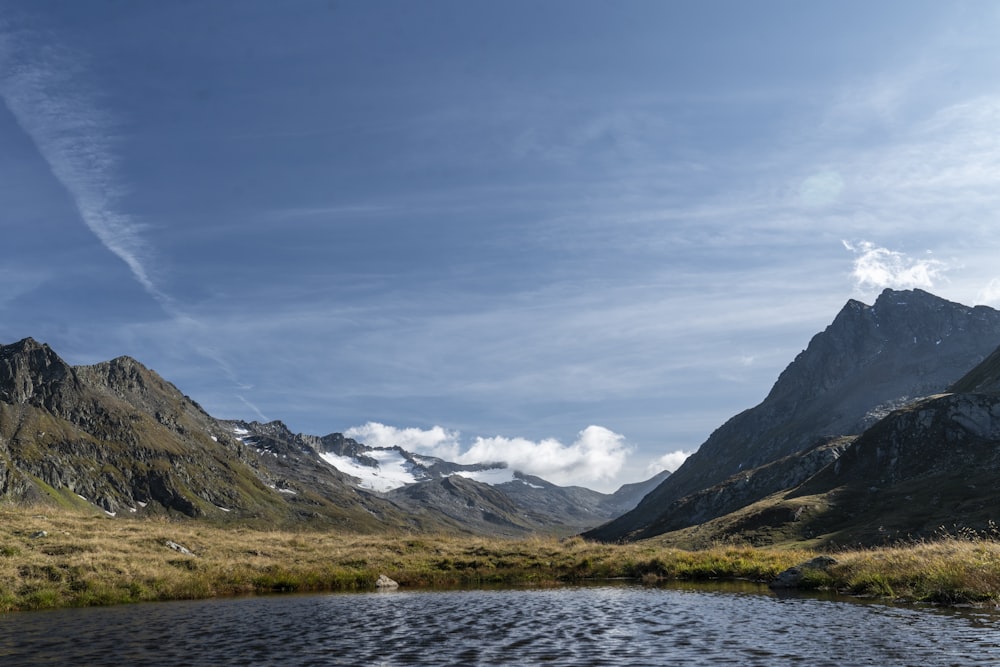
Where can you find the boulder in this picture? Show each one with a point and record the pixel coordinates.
(177, 547)
(385, 583)
(792, 577)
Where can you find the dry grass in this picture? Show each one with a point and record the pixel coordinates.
(94, 560)
(88, 560)
(948, 570)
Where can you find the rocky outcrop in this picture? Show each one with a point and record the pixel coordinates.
(794, 577)
(869, 361)
(179, 548)
(31, 373)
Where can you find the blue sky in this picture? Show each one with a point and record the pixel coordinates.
(575, 236)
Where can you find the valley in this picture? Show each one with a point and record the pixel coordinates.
(877, 444)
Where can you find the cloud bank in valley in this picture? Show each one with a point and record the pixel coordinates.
(597, 455)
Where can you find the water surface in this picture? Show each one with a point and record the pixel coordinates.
(598, 625)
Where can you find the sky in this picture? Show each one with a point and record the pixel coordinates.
(570, 235)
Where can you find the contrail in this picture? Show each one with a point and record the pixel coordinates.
(41, 85)
(45, 88)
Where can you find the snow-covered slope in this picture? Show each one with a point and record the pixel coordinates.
(392, 471)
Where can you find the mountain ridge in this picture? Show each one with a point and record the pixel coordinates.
(868, 361)
(118, 437)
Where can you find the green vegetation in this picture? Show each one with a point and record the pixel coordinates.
(93, 560)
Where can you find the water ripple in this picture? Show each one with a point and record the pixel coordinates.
(607, 625)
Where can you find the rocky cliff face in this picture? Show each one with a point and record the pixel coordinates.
(931, 465)
(870, 360)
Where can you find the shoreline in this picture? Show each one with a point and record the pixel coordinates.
(51, 559)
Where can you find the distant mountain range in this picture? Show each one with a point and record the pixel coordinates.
(117, 437)
(855, 442)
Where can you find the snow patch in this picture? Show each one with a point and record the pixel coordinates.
(424, 461)
(392, 472)
(493, 476)
(242, 435)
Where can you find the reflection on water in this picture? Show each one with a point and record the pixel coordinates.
(740, 624)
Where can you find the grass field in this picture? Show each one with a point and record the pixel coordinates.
(83, 560)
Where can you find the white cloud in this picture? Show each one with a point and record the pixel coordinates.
(597, 455)
(435, 441)
(990, 294)
(670, 461)
(878, 268)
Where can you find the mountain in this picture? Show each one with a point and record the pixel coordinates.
(527, 500)
(490, 497)
(867, 362)
(928, 467)
(118, 437)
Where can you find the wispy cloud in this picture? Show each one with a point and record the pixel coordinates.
(253, 408)
(44, 87)
(18, 281)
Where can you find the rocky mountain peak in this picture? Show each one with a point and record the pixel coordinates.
(912, 327)
(30, 372)
(867, 362)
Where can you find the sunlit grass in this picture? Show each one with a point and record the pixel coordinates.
(88, 560)
(949, 570)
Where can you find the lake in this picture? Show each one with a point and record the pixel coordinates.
(730, 624)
